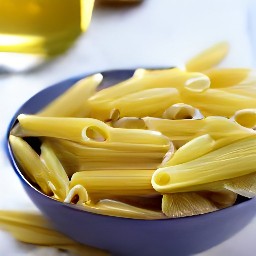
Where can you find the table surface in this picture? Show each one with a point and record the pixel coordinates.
(155, 33)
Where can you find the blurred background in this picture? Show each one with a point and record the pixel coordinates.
(45, 41)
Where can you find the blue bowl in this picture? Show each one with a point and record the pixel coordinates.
(122, 236)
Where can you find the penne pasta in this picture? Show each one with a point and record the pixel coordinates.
(124, 210)
(52, 180)
(145, 103)
(217, 127)
(30, 163)
(186, 204)
(228, 77)
(77, 157)
(116, 182)
(165, 78)
(74, 102)
(82, 130)
(32, 228)
(77, 191)
(218, 102)
(237, 159)
(181, 111)
(245, 117)
(52, 163)
(208, 58)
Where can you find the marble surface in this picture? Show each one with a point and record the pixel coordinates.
(155, 33)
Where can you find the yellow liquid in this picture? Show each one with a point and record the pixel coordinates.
(45, 27)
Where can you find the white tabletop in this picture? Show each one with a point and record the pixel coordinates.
(155, 33)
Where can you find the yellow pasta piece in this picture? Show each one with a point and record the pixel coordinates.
(77, 157)
(166, 78)
(218, 102)
(115, 182)
(52, 163)
(226, 77)
(246, 118)
(82, 130)
(182, 111)
(120, 209)
(74, 102)
(191, 150)
(231, 161)
(221, 198)
(30, 163)
(129, 123)
(32, 228)
(186, 204)
(77, 191)
(208, 58)
(243, 185)
(149, 102)
(49, 180)
(244, 90)
(187, 129)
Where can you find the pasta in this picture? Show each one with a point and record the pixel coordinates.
(73, 101)
(32, 228)
(183, 139)
(118, 182)
(237, 159)
(208, 58)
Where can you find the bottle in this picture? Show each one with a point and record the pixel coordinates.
(42, 27)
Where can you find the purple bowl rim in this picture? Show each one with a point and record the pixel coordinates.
(24, 181)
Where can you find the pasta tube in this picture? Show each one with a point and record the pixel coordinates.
(186, 204)
(30, 163)
(32, 228)
(231, 161)
(124, 210)
(129, 123)
(74, 102)
(52, 163)
(118, 182)
(166, 78)
(243, 90)
(144, 103)
(77, 191)
(227, 77)
(218, 102)
(49, 180)
(78, 157)
(187, 129)
(86, 130)
(246, 118)
(191, 150)
(243, 185)
(182, 111)
(208, 58)
(194, 203)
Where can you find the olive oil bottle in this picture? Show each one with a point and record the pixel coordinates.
(45, 27)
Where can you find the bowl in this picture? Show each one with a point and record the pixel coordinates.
(124, 236)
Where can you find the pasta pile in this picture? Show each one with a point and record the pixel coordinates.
(163, 144)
